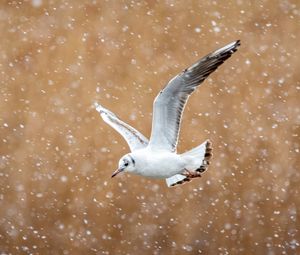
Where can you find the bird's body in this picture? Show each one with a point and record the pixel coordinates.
(157, 163)
(157, 157)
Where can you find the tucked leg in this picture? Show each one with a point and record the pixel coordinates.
(191, 174)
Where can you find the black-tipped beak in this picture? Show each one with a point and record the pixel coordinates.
(117, 172)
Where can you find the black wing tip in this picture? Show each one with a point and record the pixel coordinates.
(220, 54)
(238, 43)
(229, 48)
(199, 71)
(235, 43)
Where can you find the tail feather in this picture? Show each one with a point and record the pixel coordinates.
(207, 157)
(198, 161)
(176, 179)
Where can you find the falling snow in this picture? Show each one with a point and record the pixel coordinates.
(57, 155)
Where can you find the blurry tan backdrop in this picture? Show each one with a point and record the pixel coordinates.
(56, 154)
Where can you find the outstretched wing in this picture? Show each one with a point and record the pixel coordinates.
(133, 137)
(170, 102)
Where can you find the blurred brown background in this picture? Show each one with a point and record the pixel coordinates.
(56, 154)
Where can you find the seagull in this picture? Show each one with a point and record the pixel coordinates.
(157, 157)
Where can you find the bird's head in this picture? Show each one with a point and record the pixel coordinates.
(126, 164)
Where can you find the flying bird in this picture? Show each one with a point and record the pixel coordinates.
(157, 157)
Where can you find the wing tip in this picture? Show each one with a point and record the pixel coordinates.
(231, 47)
(236, 44)
(99, 108)
(103, 111)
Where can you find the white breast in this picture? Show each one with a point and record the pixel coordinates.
(158, 164)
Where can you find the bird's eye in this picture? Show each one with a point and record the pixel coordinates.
(126, 164)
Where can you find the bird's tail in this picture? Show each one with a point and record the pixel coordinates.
(197, 160)
(177, 179)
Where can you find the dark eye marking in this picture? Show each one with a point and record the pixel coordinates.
(126, 163)
(132, 160)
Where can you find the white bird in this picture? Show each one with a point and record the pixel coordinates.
(157, 158)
